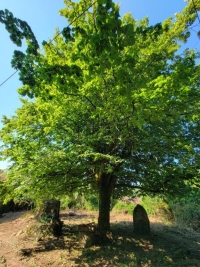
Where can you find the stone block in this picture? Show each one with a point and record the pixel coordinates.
(140, 220)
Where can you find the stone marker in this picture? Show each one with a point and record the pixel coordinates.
(50, 213)
(51, 209)
(140, 220)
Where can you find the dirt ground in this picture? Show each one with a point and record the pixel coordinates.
(19, 247)
(22, 246)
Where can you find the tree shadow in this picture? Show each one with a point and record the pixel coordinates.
(77, 217)
(11, 216)
(165, 246)
(49, 242)
(44, 245)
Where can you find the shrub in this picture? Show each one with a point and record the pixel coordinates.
(186, 209)
(64, 201)
(80, 202)
(91, 203)
(156, 206)
(121, 206)
(187, 214)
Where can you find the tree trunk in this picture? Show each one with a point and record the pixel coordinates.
(106, 182)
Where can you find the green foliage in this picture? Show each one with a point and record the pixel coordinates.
(24, 62)
(187, 214)
(186, 209)
(64, 202)
(124, 207)
(153, 206)
(72, 201)
(91, 202)
(82, 202)
(156, 206)
(115, 107)
(47, 218)
(18, 30)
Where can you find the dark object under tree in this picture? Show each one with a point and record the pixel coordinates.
(140, 220)
(50, 213)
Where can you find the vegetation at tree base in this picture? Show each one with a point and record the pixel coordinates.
(112, 107)
(186, 210)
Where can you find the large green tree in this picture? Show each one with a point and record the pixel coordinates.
(112, 106)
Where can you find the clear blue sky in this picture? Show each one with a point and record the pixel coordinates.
(43, 17)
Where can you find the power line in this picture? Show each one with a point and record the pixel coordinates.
(54, 38)
(78, 18)
(9, 77)
(73, 21)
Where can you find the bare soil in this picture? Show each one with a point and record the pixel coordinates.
(23, 245)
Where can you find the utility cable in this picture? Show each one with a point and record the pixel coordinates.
(54, 38)
(74, 20)
(78, 18)
(9, 77)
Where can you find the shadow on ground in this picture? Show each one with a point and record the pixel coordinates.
(165, 246)
(11, 216)
(77, 217)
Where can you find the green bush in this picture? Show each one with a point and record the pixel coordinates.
(80, 202)
(186, 209)
(91, 203)
(187, 214)
(153, 206)
(156, 206)
(121, 206)
(64, 201)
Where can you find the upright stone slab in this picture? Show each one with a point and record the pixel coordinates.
(141, 222)
(51, 209)
(51, 214)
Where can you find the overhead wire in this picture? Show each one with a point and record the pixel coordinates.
(78, 18)
(74, 20)
(9, 77)
(54, 38)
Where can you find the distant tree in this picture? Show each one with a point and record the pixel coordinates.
(114, 108)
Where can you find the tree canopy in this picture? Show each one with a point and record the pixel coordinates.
(112, 106)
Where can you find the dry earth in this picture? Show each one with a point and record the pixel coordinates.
(22, 246)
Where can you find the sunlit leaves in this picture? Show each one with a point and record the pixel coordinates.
(109, 94)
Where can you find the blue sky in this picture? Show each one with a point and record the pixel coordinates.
(43, 17)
